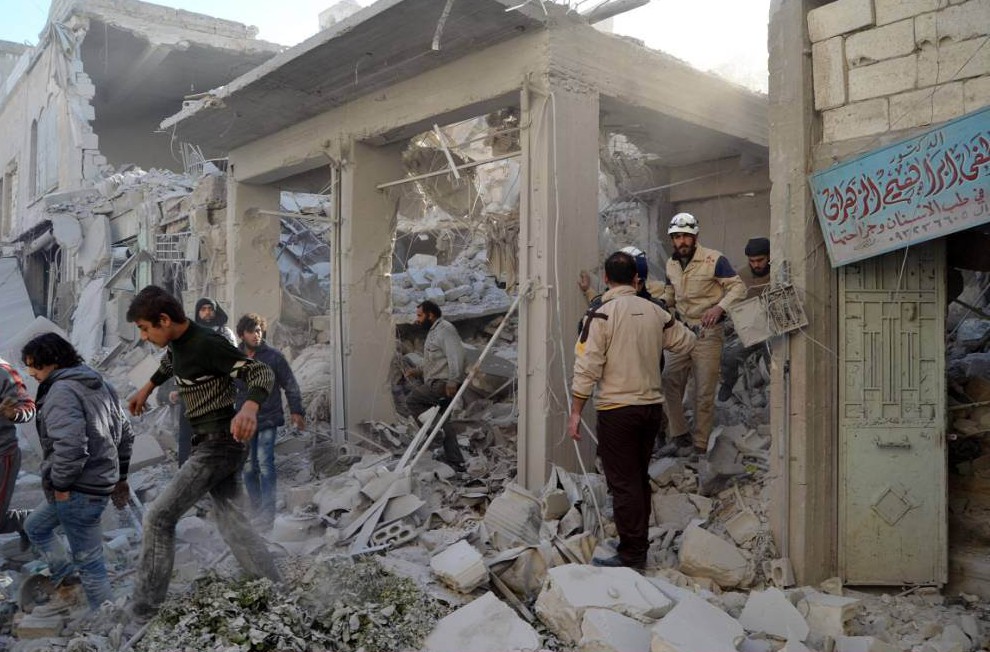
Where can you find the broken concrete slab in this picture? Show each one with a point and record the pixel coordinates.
(666, 470)
(772, 613)
(460, 567)
(485, 625)
(146, 452)
(603, 630)
(514, 518)
(827, 614)
(694, 625)
(674, 509)
(863, 644)
(704, 554)
(571, 589)
(743, 527)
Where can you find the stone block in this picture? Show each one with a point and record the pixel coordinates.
(925, 29)
(421, 261)
(829, 68)
(947, 102)
(884, 78)
(572, 589)
(887, 42)
(863, 644)
(674, 509)
(855, 120)
(772, 613)
(952, 61)
(826, 614)
(436, 295)
(666, 470)
(696, 626)
(210, 191)
(743, 527)
(889, 11)
(704, 554)
(146, 452)
(964, 21)
(911, 109)
(603, 630)
(484, 625)
(839, 17)
(297, 497)
(460, 567)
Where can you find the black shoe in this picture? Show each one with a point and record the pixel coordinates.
(616, 562)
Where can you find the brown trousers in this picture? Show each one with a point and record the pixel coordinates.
(625, 440)
(704, 362)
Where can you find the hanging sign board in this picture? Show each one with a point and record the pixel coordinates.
(916, 190)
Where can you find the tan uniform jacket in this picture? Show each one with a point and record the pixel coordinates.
(620, 349)
(695, 288)
(654, 287)
(755, 285)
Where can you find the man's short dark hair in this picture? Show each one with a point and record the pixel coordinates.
(249, 322)
(50, 348)
(620, 268)
(151, 303)
(430, 308)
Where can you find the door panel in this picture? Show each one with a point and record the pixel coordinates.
(892, 466)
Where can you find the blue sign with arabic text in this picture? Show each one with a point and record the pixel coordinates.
(916, 190)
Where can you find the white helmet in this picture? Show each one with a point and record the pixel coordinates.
(683, 223)
(632, 251)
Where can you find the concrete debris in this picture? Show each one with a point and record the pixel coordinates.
(704, 554)
(694, 625)
(603, 630)
(772, 613)
(485, 625)
(743, 527)
(460, 567)
(147, 452)
(862, 644)
(572, 589)
(826, 614)
(514, 518)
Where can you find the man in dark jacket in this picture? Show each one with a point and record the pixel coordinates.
(86, 441)
(259, 472)
(16, 406)
(204, 365)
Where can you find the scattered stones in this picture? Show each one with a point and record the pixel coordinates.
(704, 554)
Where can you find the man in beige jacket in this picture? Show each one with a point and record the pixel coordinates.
(618, 358)
(701, 285)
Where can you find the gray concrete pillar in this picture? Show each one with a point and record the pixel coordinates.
(254, 284)
(803, 402)
(367, 228)
(558, 237)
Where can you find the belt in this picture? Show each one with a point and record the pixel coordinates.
(219, 435)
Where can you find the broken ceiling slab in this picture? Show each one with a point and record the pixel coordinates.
(694, 625)
(572, 589)
(485, 625)
(603, 630)
(772, 613)
(319, 73)
(704, 554)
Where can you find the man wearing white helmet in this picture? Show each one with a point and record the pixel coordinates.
(701, 285)
(646, 288)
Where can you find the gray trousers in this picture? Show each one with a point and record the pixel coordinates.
(213, 466)
(421, 399)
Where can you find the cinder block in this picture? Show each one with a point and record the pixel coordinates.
(947, 102)
(976, 94)
(829, 67)
(887, 42)
(827, 614)
(855, 120)
(884, 78)
(964, 21)
(839, 17)
(889, 11)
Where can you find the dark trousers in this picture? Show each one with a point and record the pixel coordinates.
(10, 464)
(422, 398)
(213, 467)
(625, 440)
(184, 436)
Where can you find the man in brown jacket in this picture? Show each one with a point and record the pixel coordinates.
(618, 358)
(701, 285)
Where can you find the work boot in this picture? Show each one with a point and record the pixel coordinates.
(679, 446)
(616, 562)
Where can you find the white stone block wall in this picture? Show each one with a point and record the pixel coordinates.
(889, 65)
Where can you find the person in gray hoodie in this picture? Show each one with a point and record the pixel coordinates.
(86, 442)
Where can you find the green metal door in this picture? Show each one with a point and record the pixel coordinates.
(892, 463)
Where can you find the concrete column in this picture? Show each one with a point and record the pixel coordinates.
(803, 401)
(254, 284)
(367, 228)
(558, 237)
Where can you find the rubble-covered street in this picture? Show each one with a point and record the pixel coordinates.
(418, 201)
